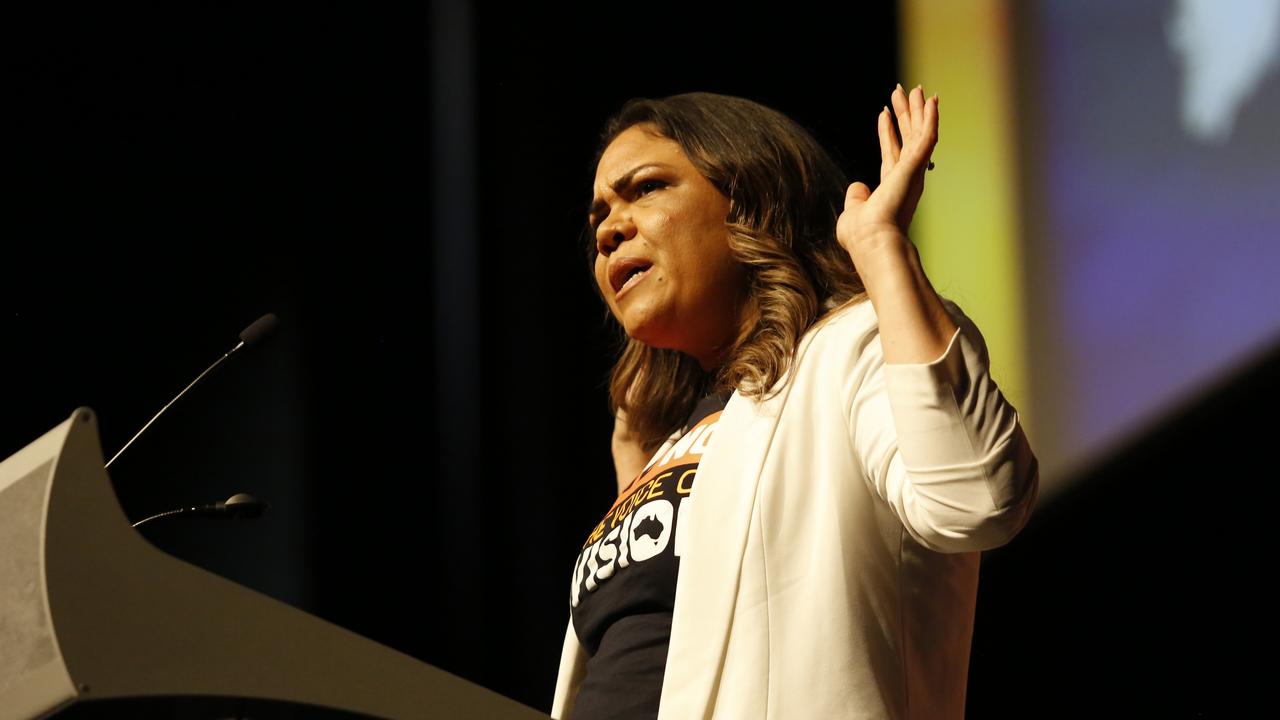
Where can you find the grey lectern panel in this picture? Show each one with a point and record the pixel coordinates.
(131, 621)
(26, 635)
(33, 678)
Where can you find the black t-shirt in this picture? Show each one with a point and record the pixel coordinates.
(624, 581)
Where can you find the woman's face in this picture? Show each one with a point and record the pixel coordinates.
(654, 212)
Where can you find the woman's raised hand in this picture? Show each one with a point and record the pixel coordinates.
(868, 216)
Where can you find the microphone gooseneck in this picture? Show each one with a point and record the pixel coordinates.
(239, 506)
(250, 335)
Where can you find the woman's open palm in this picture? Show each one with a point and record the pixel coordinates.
(903, 161)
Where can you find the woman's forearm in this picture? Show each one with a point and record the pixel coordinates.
(629, 456)
(914, 324)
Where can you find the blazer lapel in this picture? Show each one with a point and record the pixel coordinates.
(717, 521)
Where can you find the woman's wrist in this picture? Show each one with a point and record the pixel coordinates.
(875, 244)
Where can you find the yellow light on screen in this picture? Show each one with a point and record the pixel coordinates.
(967, 226)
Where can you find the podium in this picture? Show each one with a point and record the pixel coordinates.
(89, 610)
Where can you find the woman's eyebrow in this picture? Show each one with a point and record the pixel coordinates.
(597, 205)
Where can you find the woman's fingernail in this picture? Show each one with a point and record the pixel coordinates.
(900, 88)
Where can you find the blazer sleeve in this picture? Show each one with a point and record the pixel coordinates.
(940, 444)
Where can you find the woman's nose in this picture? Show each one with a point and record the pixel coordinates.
(612, 233)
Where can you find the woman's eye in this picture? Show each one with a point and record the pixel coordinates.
(646, 185)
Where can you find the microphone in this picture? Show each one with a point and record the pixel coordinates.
(260, 328)
(238, 506)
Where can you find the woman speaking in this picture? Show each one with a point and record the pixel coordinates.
(811, 451)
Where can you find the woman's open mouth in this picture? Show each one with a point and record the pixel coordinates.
(632, 280)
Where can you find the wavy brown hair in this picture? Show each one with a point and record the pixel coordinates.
(785, 195)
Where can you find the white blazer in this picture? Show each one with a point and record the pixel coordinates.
(830, 554)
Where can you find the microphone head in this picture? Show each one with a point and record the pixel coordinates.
(244, 505)
(260, 328)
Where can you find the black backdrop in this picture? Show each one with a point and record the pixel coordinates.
(404, 186)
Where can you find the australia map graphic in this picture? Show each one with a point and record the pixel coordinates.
(650, 526)
(644, 522)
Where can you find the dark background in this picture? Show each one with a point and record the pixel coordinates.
(404, 186)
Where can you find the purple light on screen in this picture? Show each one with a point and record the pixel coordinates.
(1163, 247)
